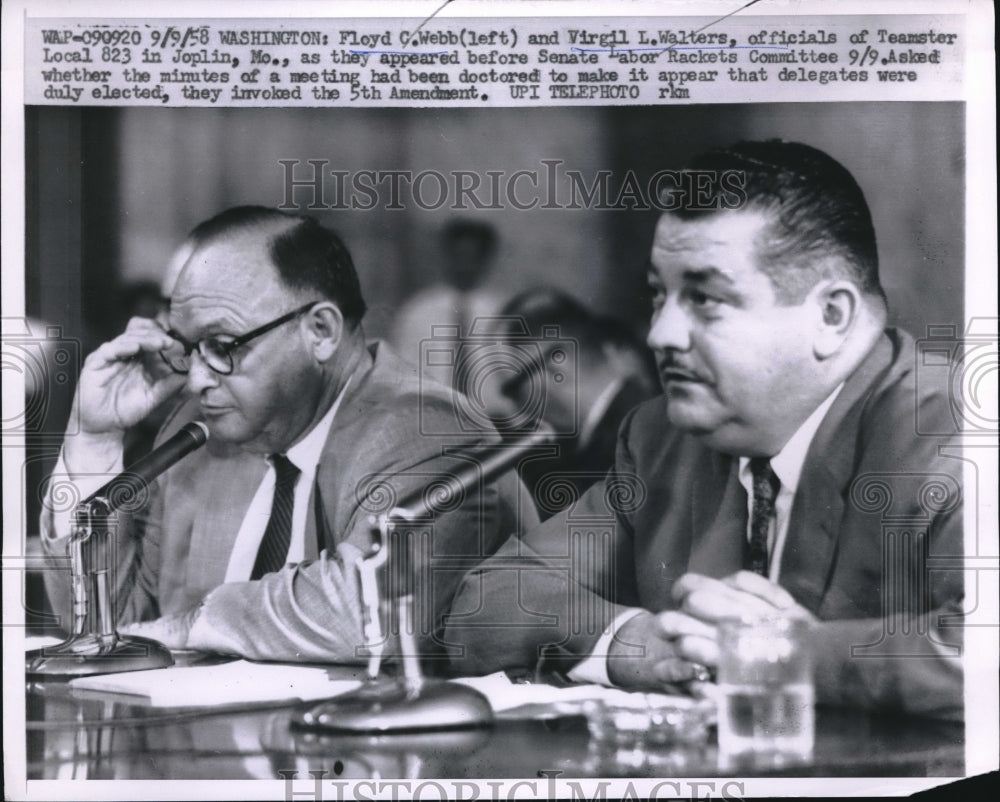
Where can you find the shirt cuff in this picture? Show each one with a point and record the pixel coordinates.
(65, 491)
(594, 667)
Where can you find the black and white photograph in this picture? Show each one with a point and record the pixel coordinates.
(454, 418)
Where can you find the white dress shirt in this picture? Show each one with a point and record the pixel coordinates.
(787, 465)
(305, 456)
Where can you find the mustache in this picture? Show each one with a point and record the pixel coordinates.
(671, 368)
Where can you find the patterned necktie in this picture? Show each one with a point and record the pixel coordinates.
(278, 535)
(765, 491)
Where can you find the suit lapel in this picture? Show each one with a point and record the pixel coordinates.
(216, 524)
(818, 508)
(719, 515)
(322, 523)
(318, 533)
(312, 546)
(813, 530)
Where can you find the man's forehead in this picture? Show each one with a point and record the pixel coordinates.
(227, 281)
(725, 243)
(196, 310)
(239, 263)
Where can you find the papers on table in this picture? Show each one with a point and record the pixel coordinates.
(237, 682)
(245, 682)
(511, 698)
(32, 642)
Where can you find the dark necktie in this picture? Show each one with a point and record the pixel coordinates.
(273, 550)
(765, 491)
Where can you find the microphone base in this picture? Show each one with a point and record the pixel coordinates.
(89, 655)
(392, 708)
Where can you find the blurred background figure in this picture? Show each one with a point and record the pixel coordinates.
(589, 371)
(463, 294)
(141, 298)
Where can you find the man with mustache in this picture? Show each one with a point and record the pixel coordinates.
(761, 481)
(248, 546)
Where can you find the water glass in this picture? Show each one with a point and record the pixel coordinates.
(766, 696)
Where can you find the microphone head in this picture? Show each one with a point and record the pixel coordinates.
(198, 430)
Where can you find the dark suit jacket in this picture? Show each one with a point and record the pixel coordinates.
(876, 516)
(557, 481)
(390, 436)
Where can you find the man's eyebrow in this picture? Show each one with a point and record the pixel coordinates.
(705, 275)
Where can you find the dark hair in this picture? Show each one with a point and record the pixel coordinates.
(542, 307)
(306, 255)
(815, 205)
(484, 234)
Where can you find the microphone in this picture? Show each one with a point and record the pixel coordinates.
(141, 473)
(410, 703)
(439, 495)
(486, 466)
(95, 647)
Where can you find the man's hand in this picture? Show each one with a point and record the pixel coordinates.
(644, 654)
(118, 387)
(120, 384)
(704, 602)
(170, 630)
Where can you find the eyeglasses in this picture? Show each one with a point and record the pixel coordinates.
(218, 354)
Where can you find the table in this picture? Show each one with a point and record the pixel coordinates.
(70, 736)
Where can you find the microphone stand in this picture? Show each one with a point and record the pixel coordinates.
(95, 647)
(410, 702)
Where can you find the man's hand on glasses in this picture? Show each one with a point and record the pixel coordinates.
(120, 384)
(127, 378)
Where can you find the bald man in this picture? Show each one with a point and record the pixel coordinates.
(248, 546)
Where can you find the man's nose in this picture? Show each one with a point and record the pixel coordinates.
(671, 328)
(200, 376)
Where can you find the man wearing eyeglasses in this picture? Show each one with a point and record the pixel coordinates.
(249, 545)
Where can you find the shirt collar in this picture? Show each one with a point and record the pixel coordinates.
(787, 464)
(305, 454)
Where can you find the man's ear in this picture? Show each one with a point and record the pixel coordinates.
(838, 303)
(324, 325)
